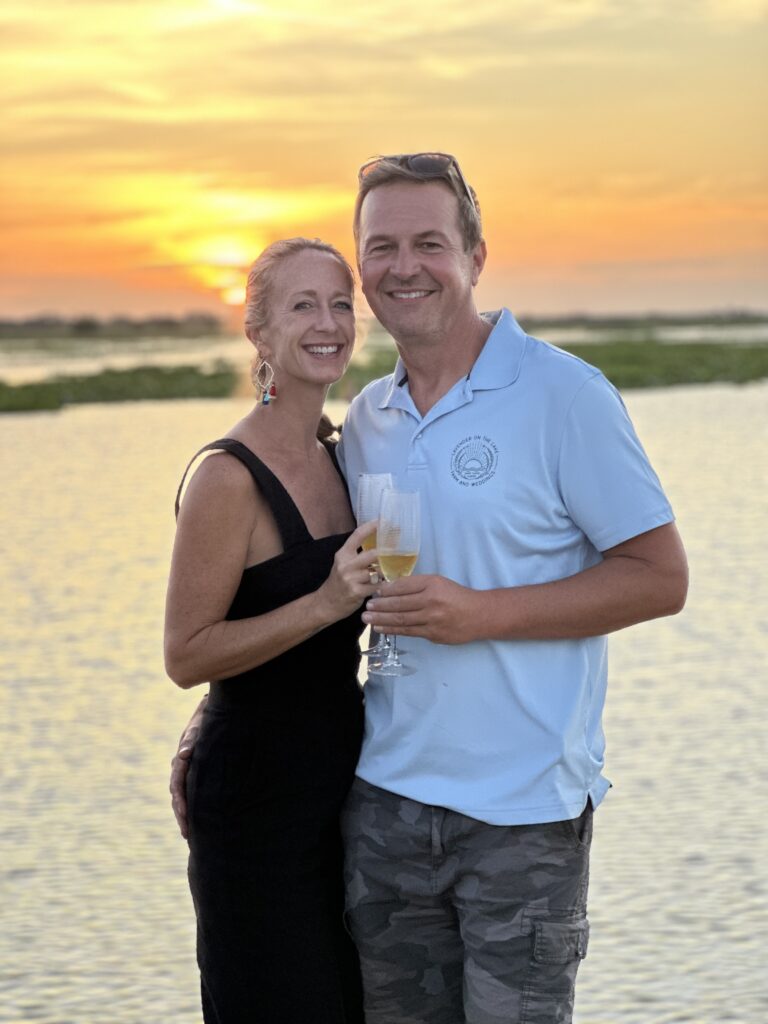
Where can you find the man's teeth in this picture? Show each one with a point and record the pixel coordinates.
(410, 295)
(323, 350)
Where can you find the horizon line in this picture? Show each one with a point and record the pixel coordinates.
(576, 314)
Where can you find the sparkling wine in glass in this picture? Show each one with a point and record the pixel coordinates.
(398, 538)
(370, 487)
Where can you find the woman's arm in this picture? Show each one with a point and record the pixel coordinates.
(217, 520)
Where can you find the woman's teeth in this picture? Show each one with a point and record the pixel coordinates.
(323, 350)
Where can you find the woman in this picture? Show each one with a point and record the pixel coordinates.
(265, 590)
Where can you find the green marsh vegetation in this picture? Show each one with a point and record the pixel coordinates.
(632, 352)
(626, 364)
(139, 383)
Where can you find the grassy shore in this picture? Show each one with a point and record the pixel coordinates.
(142, 382)
(629, 364)
(652, 364)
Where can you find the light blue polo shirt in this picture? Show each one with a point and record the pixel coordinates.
(528, 468)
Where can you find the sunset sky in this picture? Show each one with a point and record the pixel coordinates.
(619, 147)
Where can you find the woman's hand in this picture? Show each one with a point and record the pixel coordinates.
(349, 582)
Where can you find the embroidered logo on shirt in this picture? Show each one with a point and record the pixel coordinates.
(474, 460)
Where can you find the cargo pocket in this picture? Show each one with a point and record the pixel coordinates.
(558, 949)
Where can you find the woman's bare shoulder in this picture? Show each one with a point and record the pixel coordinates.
(220, 482)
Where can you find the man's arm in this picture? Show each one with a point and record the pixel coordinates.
(180, 767)
(644, 578)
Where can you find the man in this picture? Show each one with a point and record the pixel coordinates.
(468, 829)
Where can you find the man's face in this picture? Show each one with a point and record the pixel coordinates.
(415, 272)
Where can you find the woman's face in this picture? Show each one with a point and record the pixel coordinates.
(310, 330)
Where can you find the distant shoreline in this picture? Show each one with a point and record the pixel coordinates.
(50, 327)
(627, 363)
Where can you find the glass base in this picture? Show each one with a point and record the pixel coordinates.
(393, 668)
(379, 650)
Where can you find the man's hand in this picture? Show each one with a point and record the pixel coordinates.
(180, 767)
(432, 607)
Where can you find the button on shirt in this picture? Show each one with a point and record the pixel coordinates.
(527, 468)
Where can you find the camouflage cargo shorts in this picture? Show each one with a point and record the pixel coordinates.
(461, 922)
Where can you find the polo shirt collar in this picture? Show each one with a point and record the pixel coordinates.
(501, 358)
(395, 395)
(497, 366)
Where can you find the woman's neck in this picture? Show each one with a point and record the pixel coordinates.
(289, 422)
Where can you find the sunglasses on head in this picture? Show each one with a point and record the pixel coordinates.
(425, 165)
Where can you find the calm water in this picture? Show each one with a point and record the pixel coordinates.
(97, 926)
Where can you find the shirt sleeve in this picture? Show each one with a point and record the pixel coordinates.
(607, 484)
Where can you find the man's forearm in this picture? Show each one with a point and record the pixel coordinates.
(644, 578)
(610, 596)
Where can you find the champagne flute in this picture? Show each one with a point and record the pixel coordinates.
(398, 538)
(370, 487)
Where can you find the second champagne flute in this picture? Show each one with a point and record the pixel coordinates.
(397, 541)
(370, 487)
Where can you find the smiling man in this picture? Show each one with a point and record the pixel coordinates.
(469, 825)
(468, 828)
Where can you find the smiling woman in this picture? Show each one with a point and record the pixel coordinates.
(264, 598)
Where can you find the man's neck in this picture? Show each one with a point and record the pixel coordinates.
(434, 365)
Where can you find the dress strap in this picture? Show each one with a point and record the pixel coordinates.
(293, 529)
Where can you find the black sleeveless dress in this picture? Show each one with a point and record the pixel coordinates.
(276, 755)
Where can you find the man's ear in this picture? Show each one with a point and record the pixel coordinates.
(479, 255)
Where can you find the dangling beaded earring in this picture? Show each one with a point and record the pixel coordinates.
(264, 378)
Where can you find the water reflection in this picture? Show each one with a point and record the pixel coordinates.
(98, 927)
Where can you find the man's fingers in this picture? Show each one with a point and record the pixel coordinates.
(180, 813)
(387, 622)
(179, 767)
(402, 630)
(189, 738)
(179, 805)
(409, 585)
(383, 605)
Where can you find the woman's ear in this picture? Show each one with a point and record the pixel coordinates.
(253, 334)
